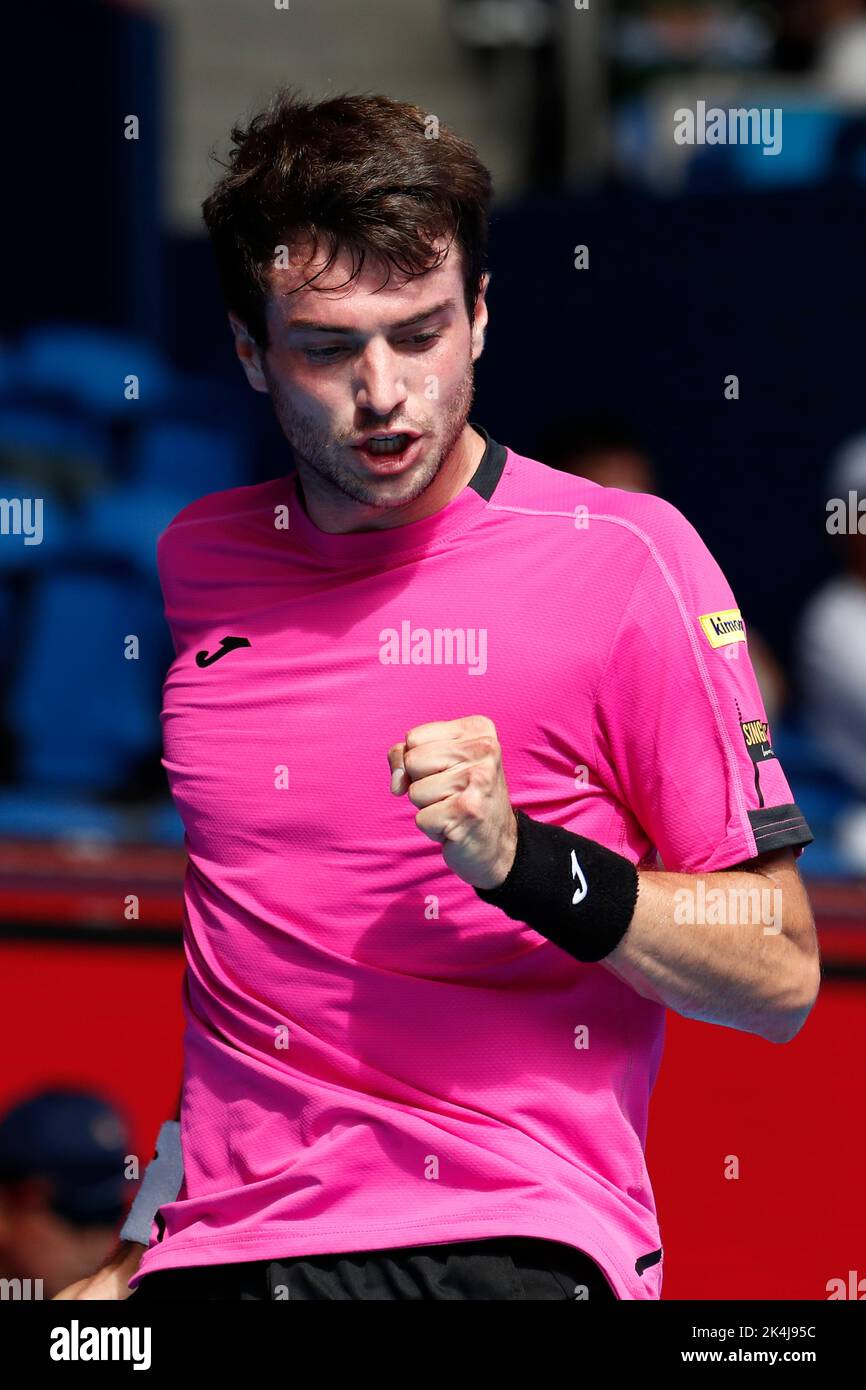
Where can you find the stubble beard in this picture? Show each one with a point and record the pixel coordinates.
(322, 458)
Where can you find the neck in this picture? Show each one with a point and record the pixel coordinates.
(344, 515)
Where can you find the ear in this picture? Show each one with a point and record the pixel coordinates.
(479, 322)
(249, 354)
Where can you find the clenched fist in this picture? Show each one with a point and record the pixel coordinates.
(452, 771)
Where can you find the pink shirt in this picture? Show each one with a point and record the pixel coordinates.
(374, 1057)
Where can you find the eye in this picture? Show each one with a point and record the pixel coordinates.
(330, 354)
(420, 338)
(325, 354)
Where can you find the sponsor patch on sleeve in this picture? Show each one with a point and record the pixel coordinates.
(724, 627)
(756, 732)
(756, 735)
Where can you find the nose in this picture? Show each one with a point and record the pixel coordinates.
(381, 388)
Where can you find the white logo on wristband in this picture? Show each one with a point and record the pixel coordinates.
(577, 872)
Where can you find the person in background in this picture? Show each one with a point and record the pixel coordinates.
(610, 452)
(62, 1188)
(831, 647)
(824, 40)
(603, 448)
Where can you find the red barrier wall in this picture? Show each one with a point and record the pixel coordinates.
(793, 1116)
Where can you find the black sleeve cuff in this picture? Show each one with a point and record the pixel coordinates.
(778, 827)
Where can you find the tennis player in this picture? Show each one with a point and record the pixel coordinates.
(475, 775)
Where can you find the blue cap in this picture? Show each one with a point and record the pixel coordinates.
(79, 1143)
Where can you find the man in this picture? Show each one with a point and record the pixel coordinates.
(62, 1189)
(601, 447)
(832, 632)
(424, 1019)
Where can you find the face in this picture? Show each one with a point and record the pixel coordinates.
(620, 468)
(345, 361)
(37, 1243)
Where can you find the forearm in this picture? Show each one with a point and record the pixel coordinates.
(736, 947)
(740, 968)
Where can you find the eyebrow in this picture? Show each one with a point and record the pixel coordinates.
(338, 328)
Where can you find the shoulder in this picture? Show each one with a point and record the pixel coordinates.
(215, 514)
(641, 522)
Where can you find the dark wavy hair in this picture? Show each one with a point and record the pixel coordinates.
(353, 172)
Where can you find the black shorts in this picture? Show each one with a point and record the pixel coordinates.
(502, 1267)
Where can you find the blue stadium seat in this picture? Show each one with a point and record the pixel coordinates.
(38, 433)
(81, 712)
(808, 137)
(27, 813)
(8, 372)
(124, 523)
(186, 457)
(51, 541)
(90, 364)
(8, 655)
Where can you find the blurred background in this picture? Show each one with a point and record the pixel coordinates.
(121, 400)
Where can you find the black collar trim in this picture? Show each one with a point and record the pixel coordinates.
(489, 470)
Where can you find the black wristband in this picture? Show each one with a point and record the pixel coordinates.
(577, 893)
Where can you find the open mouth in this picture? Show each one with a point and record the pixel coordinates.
(388, 443)
(388, 449)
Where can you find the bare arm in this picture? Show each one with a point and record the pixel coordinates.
(752, 963)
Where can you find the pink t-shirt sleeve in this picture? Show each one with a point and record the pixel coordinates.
(182, 589)
(681, 729)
